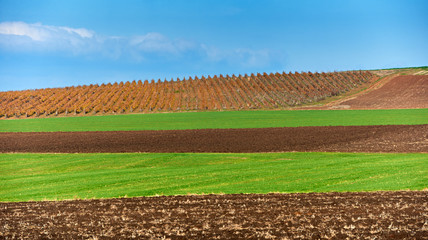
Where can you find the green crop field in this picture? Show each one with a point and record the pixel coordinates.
(25, 177)
(227, 119)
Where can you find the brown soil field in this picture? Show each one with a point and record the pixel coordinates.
(390, 138)
(365, 215)
(408, 91)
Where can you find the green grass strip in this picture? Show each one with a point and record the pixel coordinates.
(232, 119)
(25, 177)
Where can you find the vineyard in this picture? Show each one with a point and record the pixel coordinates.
(261, 91)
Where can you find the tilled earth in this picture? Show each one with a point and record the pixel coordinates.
(410, 91)
(366, 215)
(390, 138)
(374, 215)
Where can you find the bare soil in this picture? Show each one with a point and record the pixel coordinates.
(390, 138)
(408, 91)
(366, 215)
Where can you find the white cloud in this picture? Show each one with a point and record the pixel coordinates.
(84, 33)
(156, 42)
(153, 42)
(38, 37)
(21, 36)
(239, 56)
(42, 33)
(34, 31)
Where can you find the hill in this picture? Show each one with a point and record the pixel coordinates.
(261, 91)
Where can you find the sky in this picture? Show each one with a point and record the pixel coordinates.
(60, 43)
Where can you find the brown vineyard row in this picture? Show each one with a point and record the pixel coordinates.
(261, 91)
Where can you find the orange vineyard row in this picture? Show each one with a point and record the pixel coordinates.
(261, 91)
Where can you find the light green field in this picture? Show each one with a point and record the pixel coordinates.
(232, 119)
(25, 177)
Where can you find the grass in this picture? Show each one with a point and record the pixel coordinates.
(402, 68)
(25, 177)
(228, 119)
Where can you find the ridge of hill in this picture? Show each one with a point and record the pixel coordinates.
(255, 91)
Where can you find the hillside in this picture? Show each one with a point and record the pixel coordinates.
(261, 91)
(408, 91)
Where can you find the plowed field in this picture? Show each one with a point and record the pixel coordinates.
(376, 215)
(389, 138)
(409, 91)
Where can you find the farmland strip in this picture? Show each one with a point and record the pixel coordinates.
(388, 138)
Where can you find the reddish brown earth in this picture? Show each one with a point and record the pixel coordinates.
(375, 215)
(408, 91)
(390, 138)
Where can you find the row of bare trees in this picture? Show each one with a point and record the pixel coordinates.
(255, 91)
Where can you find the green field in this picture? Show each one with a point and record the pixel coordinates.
(25, 177)
(227, 119)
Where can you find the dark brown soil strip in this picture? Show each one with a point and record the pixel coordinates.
(375, 215)
(400, 138)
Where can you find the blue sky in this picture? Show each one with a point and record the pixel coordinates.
(63, 43)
